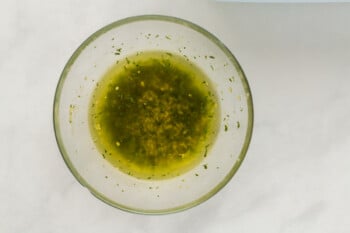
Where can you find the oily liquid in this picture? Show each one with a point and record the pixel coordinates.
(154, 115)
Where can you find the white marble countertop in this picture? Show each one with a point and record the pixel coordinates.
(296, 174)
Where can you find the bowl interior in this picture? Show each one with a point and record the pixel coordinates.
(115, 42)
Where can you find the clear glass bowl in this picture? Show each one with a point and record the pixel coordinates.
(91, 61)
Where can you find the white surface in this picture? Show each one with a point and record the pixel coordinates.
(296, 174)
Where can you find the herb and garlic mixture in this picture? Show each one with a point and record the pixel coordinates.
(154, 115)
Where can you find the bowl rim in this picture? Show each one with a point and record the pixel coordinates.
(185, 23)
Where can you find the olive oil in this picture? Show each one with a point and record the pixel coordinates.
(154, 115)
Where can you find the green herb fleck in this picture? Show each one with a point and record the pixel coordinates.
(71, 110)
(118, 51)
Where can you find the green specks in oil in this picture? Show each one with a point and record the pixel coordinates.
(151, 115)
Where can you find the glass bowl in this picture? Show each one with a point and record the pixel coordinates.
(91, 61)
